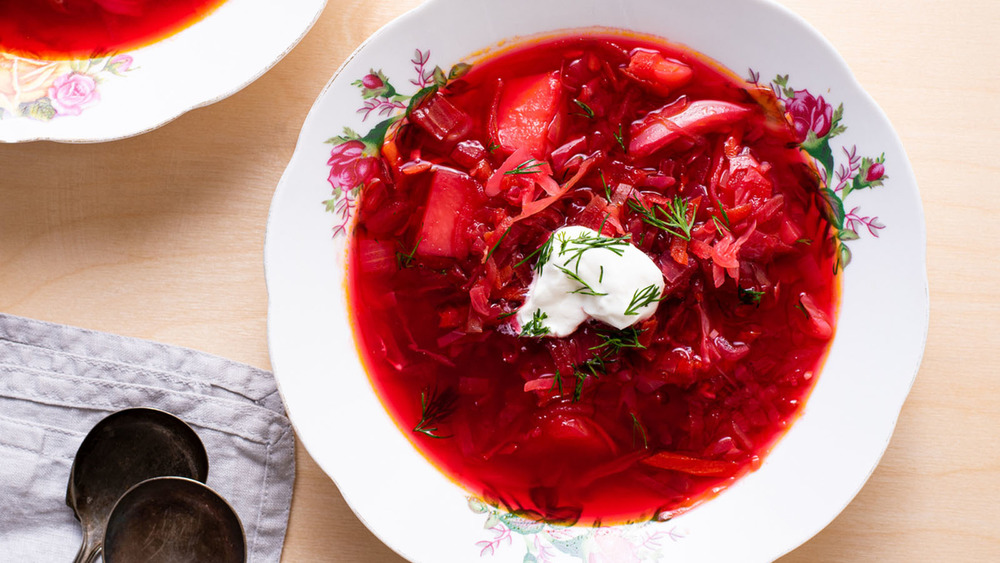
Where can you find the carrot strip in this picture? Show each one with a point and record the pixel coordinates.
(690, 465)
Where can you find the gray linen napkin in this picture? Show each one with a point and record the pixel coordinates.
(57, 382)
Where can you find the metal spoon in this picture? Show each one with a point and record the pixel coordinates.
(123, 449)
(173, 520)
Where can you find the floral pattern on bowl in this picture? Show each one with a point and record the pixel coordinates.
(353, 161)
(812, 472)
(354, 156)
(109, 97)
(44, 90)
(546, 543)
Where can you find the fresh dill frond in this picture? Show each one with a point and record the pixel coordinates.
(544, 252)
(621, 138)
(494, 247)
(435, 407)
(614, 342)
(529, 166)
(586, 241)
(725, 216)
(587, 111)
(750, 296)
(802, 308)
(643, 297)
(607, 190)
(672, 217)
(719, 227)
(406, 260)
(534, 328)
(638, 427)
(586, 288)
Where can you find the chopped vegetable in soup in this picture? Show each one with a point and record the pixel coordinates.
(517, 209)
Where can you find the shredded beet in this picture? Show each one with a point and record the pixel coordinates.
(636, 139)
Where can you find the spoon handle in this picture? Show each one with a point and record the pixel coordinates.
(89, 549)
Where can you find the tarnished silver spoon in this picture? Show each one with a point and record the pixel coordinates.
(173, 520)
(123, 449)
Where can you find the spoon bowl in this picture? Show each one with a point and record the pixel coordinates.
(123, 449)
(173, 520)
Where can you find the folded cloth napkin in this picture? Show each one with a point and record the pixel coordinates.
(57, 382)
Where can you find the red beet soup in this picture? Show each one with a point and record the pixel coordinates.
(641, 141)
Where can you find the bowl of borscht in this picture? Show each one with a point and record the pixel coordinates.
(97, 70)
(596, 281)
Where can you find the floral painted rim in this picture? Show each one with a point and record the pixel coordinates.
(88, 100)
(353, 161)
(45, 90)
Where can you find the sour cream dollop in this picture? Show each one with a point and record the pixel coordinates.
(585, 275)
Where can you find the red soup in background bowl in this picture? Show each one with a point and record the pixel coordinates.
(98, 70)
(67, 29)
(429, 197)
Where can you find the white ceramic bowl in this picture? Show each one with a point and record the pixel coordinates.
(133, 91)
(814, 470)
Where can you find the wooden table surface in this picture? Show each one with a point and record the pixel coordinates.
(160, 237)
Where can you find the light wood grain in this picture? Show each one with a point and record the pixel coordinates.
(160, 237)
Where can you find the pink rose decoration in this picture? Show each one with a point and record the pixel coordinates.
(372, 81)
(120, 63)
(349, 167)
(611, 546)
(810, 114)
(875, 172)
(71, 93)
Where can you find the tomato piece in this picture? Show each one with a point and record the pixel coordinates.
(528, 106)
(661, 127)
(441, 233)
(657, 73)
(679, 250)
(738, 213)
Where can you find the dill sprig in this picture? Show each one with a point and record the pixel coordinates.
(495, 246)
(674, 216)
(534, 327)
(614, 342)
(506, 315)
(802, 308)
(585, 288)
(406, 260)
(750, 296)
(434, 408)
(637, 426)
(529, 166)
(607, 351)
(620, 138)
(725, 216)
(643, 297)
(543, 252)
(719, 227)
(587, 111)
(586, 241)
(593, 367)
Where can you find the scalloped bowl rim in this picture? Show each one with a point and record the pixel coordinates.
(356, 491)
